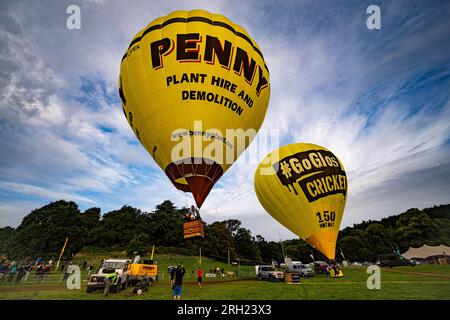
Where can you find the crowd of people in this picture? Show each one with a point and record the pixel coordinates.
(15, 272)
(20, 272)
(217, 270)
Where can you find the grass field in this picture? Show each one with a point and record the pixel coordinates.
(420, 282)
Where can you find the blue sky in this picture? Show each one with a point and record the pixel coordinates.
(379, 99)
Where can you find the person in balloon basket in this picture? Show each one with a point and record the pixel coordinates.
(193, 214)
(178, 281)
(189, 215)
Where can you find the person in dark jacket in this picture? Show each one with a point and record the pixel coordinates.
(20, 274)
(178, 281)
(68, 272)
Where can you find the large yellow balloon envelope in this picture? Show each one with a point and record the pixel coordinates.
(185, 80)
(304, 187)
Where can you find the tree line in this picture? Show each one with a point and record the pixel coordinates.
(43, 231)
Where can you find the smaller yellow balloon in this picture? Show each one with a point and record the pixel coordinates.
(304, 187)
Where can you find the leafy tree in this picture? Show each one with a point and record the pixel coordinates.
(269, 250)
(443, 227)
(233, 225)
(44, 230)
(90, 219)
(140, 244)
(218, 241)
(5, 236)
(299, 250)
(377, 240)
(245, 245)
(438, 212)
(415, 228)
(117, 228)
(167, 206)
(165, 225)
(354, 248)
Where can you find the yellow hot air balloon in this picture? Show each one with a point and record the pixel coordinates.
(185, 80)
(304, 187)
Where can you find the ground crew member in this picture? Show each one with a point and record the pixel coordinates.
(68, 272)
(91, 267)
(110, 278)
(199, 277)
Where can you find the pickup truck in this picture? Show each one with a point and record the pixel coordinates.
(268, 272)
(119, 266)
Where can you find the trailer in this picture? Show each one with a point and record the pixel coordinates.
(139, 271)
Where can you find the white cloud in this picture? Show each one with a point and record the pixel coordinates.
(11, 213)
(43, 192)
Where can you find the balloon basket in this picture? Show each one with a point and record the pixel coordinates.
(193, 229)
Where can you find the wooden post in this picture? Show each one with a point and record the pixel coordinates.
(60, 255)
(153, 251)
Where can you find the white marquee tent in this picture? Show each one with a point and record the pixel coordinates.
(426, 251)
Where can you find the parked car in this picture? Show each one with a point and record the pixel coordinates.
(300, 268)
(320, 267)
(268, 272)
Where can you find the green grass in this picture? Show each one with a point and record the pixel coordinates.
(420, 282)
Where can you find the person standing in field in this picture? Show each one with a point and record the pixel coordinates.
(27, 269)
(68, 272)
(12, 271)
(327, 270)
(20, 274)
(199, 277)
(110, 279)
(91, 267)
(178, 281)
(172, 274)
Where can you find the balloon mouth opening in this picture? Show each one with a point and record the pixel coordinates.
(325, 242)
(194, 175)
